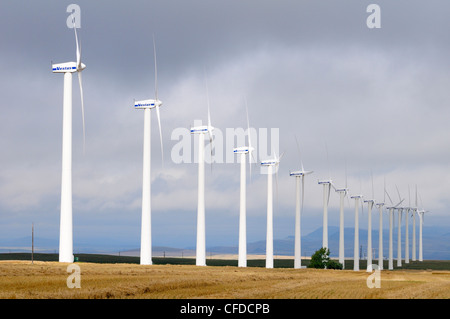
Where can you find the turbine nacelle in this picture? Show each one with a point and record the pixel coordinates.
(243, 149)
(325, 182)
(147, 104)
(271, 162)
(70, 67)
(300, 173)
(201, 129)
(341, 190)
(356, 196)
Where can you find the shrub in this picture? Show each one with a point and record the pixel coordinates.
(321, 259)
(334, 265)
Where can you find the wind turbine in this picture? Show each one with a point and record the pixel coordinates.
(342, 193)
(66, 228)
(380, 231)
(421, 218)
(399, 233)
(370, 203)
(146, 224)
(414, 210)
(243, 151)
(408, 209)
(421, 214)
(299, 177)
(326, 199)
(356, 242)
(391, 221)
(270, 164)
(200, 131)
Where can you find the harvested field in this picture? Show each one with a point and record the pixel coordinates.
(48, 280)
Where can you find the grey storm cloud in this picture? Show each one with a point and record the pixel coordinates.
(368, 99)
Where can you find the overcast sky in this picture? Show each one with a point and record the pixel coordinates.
(366, 101)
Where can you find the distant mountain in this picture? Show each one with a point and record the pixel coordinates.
(436, 244)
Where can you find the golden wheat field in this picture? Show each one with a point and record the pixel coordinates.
(48, 280)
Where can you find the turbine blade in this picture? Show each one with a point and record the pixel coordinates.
(329, 191)
(276, 186)
(348, 200)
(211, 146)
(160, 134)
(82, 110)
(416, 195)
(332, 185)
(156, 69)
(385, 191)
(209, 119)
(346, 185)
(299, 153)
(249, 140)
(398, 192)
(409, 196)
(78, 52)
(207, 99)
(303, 193)
(373, 192)
(393, 222)
(328, 161)
(399, 203)
(362, 206)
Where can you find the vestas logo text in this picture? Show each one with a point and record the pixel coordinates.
(141, 105)
(64, 68)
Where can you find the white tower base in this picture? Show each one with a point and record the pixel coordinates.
(201, 245)
(242, 261)
(66, 227)
(146, 238)
(356, 244)
(297, 245)
(269, 235)
(399, 239)
(391, 253)
(341, 229)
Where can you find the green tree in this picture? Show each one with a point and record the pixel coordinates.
(332, 264)
(321, 259)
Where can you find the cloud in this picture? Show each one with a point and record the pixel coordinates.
(358, 100)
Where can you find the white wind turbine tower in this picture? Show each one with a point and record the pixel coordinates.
(270, 164)
(414, 210)
(391, 221)
(326, 199)
(299, 177)
(370, 203)
(201, 233)
(243, 151)
(146, 224)
(421, 217)
(342, 193)
(356, 242)
(408, 209)
(380, 234)
(421, 214)
(66, 228)
(399, 234)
